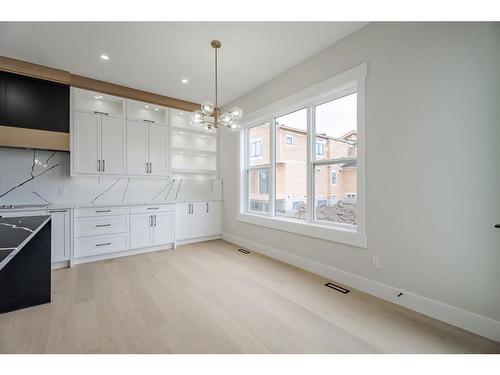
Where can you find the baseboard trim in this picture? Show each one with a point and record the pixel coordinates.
(197, 239)
(61, 264)
(466, 320)
(119, 254)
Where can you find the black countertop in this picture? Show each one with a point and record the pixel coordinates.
(15, 232)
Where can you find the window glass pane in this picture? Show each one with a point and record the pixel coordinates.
(335, 192)
(336, 128)
(291, 164)
(258, 190)
(258, 145)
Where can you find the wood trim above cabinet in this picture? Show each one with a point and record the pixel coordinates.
(130, 93)
(32, 138)
(11, 65)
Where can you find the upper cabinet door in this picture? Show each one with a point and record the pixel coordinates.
(212, 224)
(86, 143)
(158, 150)
(113, 144)
(137, 148)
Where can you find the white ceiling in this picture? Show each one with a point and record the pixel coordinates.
(155, 56)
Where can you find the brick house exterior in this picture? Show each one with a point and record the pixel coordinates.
(333, 183)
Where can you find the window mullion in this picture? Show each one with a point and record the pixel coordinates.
(310, 167)
(272, 169)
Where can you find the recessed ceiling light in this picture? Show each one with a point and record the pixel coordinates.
(98, 97)
(146, 106)
(181, 133)
(104, 57)
(184, 80)
(157, 109)
(180, 113)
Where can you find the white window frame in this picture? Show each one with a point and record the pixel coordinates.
(288, 136)
(345, 83)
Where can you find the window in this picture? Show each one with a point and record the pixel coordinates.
(307, 179)
(258, 167)
(256, 149)
(291, 165)
(263, 182)
(320, 148)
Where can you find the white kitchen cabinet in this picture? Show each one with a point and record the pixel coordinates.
(98, 145)
(157, 150)
(163, 228)
(113, 142)
(86, 147)
(147, 149)
(137, 148)
(182, 221)
(199, 219)
(60, 237)
(213, 218)
(140, 230)
(151, 229)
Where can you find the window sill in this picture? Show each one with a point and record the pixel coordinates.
(324, 232)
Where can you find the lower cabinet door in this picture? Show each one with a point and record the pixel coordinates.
(163, 228)
(95, 245)
(212, 223)
(60, 235)
(197, 219)
(141, 230)
(182, 218)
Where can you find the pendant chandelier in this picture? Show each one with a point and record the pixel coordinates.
(209, 116)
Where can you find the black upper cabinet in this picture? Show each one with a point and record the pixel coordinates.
(32, 103)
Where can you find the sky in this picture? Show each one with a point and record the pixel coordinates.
(334, 118)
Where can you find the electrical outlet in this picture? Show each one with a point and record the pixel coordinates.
(375, 262)
(62, 191)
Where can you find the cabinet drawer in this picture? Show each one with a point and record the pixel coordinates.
(88, 246)
(93, 226)
(151, 208)
(101, 211)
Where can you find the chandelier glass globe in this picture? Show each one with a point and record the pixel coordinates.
(207, 108)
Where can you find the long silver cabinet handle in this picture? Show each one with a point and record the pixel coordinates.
(54, 211)
(98, 165)
(103, 166)
(99, 211)
(155, 220)
(102, 225)
(103, 244)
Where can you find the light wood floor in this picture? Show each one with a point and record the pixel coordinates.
(210, 298)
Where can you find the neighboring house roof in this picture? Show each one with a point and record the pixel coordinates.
(341, 139)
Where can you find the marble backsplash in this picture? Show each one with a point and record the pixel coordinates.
(37, 176)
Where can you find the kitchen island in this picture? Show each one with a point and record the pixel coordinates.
(25, 259)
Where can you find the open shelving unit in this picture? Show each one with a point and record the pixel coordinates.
(194, 151)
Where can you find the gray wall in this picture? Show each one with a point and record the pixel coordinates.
(432, 160)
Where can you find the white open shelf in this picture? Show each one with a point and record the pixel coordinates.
(197, 142)
(95, 102)
(197, 162)
(146, 112)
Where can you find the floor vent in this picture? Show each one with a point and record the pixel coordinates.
(244, 251)
(337, 288)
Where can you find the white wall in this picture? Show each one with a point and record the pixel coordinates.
(56, 186)
(432, 161)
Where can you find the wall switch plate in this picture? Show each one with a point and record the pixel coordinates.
(375, 262)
